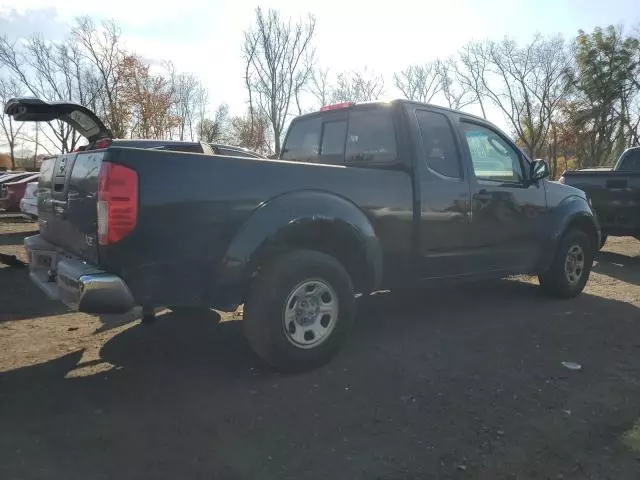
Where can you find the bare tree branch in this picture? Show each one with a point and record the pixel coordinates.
(10, 128)
(278, 59)
(357, 86)
(419, 82)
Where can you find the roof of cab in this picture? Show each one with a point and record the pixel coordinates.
(392, 102)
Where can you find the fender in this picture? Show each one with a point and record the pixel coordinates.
(572, 209)
(294, 210)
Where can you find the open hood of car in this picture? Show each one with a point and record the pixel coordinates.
(83, 120)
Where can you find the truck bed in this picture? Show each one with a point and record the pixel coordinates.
(191, 206)
(615, 196)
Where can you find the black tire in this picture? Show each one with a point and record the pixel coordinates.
(603, 240)
(264, 313)
(555, 281)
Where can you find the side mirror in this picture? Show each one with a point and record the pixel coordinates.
(539, 170)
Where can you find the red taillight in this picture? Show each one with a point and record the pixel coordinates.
(117, 202)
(336, 106)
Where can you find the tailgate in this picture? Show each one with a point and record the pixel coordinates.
(615, 197)
(67, 190)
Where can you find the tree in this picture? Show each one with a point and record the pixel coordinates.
(251, 133)
(11, 129)
(188, 92)
(216, 130)
(102, 49)
(469, 70)
(525, 83)
(420, 82)
(51, 71)
(605, 90)
(357, 86)
(319, 85)
(456, 93)
(278, 58)
(150, 99)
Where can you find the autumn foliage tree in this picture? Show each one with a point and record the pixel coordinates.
(251, 132)
(148, 98)
(92, 67)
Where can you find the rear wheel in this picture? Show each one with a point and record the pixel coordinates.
(299, 310)
(569, 271)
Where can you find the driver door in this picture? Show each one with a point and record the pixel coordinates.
(506, 207)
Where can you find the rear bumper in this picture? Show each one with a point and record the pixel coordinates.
(80, 286)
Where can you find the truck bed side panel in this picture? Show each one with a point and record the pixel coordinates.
(192, 206)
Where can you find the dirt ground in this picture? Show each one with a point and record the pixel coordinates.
(451, 383)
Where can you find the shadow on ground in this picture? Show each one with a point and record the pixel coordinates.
(444, 384)
(618, 265)
(21, 299)
(15, 238)
(14, 218)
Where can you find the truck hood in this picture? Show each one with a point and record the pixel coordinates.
(558, 191)
(83, 120)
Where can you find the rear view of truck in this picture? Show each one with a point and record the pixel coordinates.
(614, 194)
(84, 203)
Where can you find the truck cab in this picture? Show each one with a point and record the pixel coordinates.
(480, 205)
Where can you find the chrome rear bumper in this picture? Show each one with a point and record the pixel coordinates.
(77, 284)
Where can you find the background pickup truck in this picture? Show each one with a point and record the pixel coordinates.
(614, 194)
(363, 197)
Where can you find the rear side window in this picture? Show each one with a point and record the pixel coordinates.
(303, 140)
(371, 136)
(333, 137)
(439, 144)
(367, 136)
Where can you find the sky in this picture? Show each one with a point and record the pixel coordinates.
(204, 37)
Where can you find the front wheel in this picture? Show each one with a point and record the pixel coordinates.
(299, 310)
(571, 266)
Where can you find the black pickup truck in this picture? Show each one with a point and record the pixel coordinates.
(363, 198)
(614, 194)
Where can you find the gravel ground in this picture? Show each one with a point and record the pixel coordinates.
(456, 382)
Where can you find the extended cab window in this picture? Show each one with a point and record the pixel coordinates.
(303, 140)
(439, 144)
(333, 136)
(492, 157)
(371, 136)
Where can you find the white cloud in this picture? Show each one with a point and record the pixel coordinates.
(132, 12)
